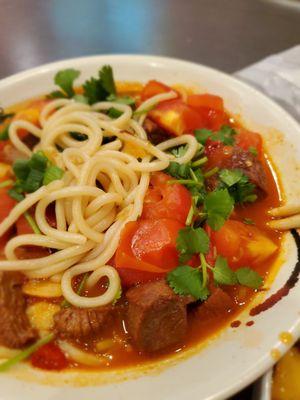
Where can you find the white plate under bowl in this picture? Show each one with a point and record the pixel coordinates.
(237, 356)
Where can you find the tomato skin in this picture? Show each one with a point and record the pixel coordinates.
(148, 247)
(49, 357)
(211, 108)
(176, 117)
(206, 100)
(153, 88)
(242, 244)
(246, 139)
(7, 203)
(164, 200)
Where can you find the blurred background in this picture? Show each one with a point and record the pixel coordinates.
(225, 34)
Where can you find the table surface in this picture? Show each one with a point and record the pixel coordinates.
(224, 34)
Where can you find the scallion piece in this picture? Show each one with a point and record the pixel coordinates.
(52, 173)
(26, 353)
(33, 181)
(32, 223)
(114, 113)
(21, 169)
(38, 161)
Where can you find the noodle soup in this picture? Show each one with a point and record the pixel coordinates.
(133, 222)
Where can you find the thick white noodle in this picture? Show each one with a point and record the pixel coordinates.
(102, 189)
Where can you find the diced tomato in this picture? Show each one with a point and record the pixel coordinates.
(164, 200)
(23, 227)
(152, 88)
(210, 107)
(148, 246)
(246, 139)
(176, 117)
(198, 101)
(242, 244)
(49, 357)
(7, 203)
(30, 114)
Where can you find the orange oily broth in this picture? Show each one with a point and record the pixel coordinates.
(122, 354)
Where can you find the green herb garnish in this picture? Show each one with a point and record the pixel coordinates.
(225, 135)
(26, 353)
(65, 80)
(185, 280)
(98, 89)
(248, 277)
(238, 185)
(218, 206)
(190, 241)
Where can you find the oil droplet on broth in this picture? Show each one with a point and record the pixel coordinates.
(286, 338)
(275, 354)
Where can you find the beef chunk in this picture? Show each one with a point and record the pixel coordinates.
(251, 166)
(248, 164)
(77, 323)
(15, 331)
(218, 303)
(155, 134)
(156, 317)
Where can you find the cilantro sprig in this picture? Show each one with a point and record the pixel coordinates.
(225, 135)
(238, 185)
(65, 80)
(191, 241)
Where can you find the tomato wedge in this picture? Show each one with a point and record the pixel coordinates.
(176, 117)
(165, 200)
(148, 247)
(242, 244)
(247, 139)
(49, 357)
(211, 108)
(152, 88)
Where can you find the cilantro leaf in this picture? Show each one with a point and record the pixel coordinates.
(218, 205)
(223, 275)
(94, 91)
(202, 135)
(191, 241)
(225, 135)
(248, 277)
(65, 80)
(98, 89)
(230, 176)
(107, 79)
(238, 184)
(185, 280)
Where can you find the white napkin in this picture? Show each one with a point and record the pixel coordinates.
(278, 76)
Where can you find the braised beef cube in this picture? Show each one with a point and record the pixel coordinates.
(218, 303)
(77, 323)
(250, 166)
(156, 317)
(15, 331)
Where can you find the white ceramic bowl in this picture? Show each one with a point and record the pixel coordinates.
(236, 357)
